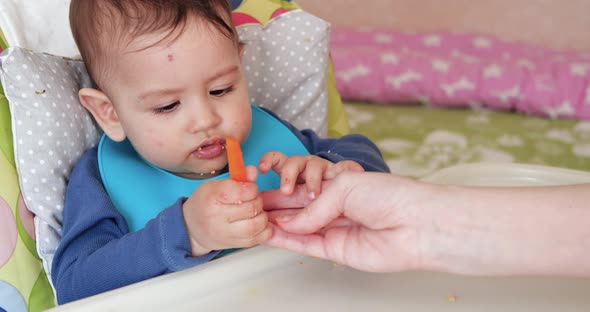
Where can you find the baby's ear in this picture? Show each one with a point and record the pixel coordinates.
(101, 107)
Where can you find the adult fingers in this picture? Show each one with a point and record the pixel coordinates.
(340, 222)
(306, 244)
(276, 200)
(319, 213)
(274, 214)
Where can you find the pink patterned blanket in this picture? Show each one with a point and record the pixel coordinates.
(445, 69)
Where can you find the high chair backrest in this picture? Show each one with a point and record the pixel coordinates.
(286, 62)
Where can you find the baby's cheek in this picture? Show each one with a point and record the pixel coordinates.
(153, 136)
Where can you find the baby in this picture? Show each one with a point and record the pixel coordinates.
(153, 197)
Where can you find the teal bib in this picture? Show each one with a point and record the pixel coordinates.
(140, 191)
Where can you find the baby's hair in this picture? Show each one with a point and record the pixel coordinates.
(98, 24)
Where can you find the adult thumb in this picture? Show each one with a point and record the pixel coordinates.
(319, 213)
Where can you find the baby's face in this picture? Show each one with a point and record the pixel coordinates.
(177, 102)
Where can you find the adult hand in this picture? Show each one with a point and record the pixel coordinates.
(383, 223)
(363, 220)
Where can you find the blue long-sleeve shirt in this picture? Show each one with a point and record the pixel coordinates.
(98, 253)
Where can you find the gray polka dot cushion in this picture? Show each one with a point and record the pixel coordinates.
(50, 132)
(286, 63)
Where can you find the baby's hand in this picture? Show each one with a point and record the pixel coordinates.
(309, 169)
(224, 214)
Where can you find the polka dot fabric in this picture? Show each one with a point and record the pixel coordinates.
(51, 131)
(286, 65)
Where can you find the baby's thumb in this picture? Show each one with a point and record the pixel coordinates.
(313, 217)
(251, 173)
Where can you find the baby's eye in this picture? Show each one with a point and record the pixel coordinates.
(221, 92)
(166, 109)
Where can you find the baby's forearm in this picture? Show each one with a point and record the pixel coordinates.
(507, 231)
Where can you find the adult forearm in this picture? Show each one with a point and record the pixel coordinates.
(507, 231)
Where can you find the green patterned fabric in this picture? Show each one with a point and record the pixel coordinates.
(3, 44)
(23, 283)
(417, 140)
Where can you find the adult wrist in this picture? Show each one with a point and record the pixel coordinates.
(448, 232)
(495, 231)
(504, 231)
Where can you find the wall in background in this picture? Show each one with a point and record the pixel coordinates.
(552, 23)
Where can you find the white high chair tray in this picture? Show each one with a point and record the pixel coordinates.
(267, 279)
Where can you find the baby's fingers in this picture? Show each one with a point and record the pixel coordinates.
(313, 175)
(290, 172)
(277, 200)
(272, 160)
(235, 193)
(246, 210)
(341, 166)
(251, 231)
(251, 173)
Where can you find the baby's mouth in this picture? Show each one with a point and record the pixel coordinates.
(210, 149)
